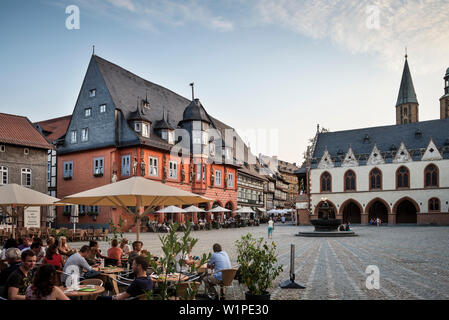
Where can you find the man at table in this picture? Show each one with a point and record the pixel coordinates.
(19, 280)
(13, 259)
(218, 261)
(137, 249)
(115, 252)
(79, 260)
(141, 283)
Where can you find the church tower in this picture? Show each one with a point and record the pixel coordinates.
(444, 100)
(407, 104)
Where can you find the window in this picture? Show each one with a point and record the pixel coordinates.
(196, 136)
(92, 93)
(2, 148)
(84, 134)
(26, 177)
(164, 134)
(102, 108)
(375, 179)
(171, 137)
(145, 130)
(68, 169)
(126, 166)
(3, 175)
(173, 170)
(73, 136)
(402, 177)
(87, 112)
(431, 176)
(217, 178)
(326, 182)
(212, 149)
(94, 209)
(137, 126)
(434, 204)
(82, 209)
(230, 180)
(99, 166)
(26, 151)
(198, 172)
(153, 166)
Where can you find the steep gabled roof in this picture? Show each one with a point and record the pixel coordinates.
(406, 91)
(54, 129)
(19, 130)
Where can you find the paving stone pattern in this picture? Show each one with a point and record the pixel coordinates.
(413, 261)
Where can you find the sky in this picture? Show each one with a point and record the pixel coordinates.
(272, 69)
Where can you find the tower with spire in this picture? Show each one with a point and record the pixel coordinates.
(444, 100)
(407, 103)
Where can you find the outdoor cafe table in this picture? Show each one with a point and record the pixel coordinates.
(77, 293)
(170, 278)
(203, 268)
(107, 270)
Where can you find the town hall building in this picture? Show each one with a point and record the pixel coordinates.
(398, 173)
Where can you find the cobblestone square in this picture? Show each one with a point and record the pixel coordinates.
(413, 261)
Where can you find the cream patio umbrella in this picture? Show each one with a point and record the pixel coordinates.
(171, 209)
(219, 209)
(15, 196)
(193, 209)
(135, 192)
(245, 210)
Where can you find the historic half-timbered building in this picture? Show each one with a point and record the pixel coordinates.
(123, 126)
(398, 173)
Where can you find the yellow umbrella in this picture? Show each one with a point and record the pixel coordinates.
(12, 195)
(135, 191)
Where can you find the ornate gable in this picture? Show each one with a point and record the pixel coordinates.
(431, 152)
(350, 159)
(375, 157)
(402, 155)
(326, 161)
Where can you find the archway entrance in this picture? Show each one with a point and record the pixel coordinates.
(202, 215)
(229, 207)
(352, 213)
(378, 210)
(406, 212)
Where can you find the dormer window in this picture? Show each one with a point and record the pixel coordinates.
(102, 108)
(171, 137)
(164, 134)
(87, 112)
(137, 126)
(146, 130)
(92, 93)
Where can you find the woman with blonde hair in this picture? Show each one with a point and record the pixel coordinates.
(63, 247)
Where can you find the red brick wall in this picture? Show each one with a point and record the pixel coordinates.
(434, 218)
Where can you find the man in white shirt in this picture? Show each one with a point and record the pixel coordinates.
(79, 260)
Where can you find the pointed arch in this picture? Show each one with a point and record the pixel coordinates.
(325, 182)
(434, 205)
(372, 201)
(406, 210)
(350, 180)
(375, 179)
(398, 202)
(402, 178)
(317, 207)
(431, 176)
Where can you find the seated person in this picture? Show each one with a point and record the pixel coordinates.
(183, 263)
(44, 285)
(137, 250)
(19, 280)
(63, 247)
(13, 259)
(54, 258)
(39, 250)
(26, 244)
(126, 248)
(94, 253)
(115, 252)
(140, 284)
(10, 243)
(78, 260)
(341, 227)
(218, 261)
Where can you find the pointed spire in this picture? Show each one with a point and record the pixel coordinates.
(406, 91)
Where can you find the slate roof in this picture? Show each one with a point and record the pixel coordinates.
(54, 129)
(406, 90)
(416, 137)
(18, 130)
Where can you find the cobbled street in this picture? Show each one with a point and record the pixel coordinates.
(413, 261)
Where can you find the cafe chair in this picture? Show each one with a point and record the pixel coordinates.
(95, 282)
(142, 296)
(228, 276)
(181, 289)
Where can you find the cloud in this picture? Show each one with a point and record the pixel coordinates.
(151, 15)
(384, 27)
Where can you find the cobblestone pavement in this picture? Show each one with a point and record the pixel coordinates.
(413, 261)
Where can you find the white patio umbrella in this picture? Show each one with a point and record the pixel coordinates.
(171, 209)
(219, 209)
(194, 209)
(138, 192)
(15, 196)
(74, 216)
(245, 211)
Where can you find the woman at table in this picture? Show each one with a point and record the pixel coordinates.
(44, 285)
(54, 258)
(126, 248)
(115, 252)
(63, 247)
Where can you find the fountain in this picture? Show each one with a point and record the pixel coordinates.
(326, 226)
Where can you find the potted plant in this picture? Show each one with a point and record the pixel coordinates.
(257, 260)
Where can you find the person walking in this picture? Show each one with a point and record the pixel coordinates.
(270, 228)
(378, 222)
